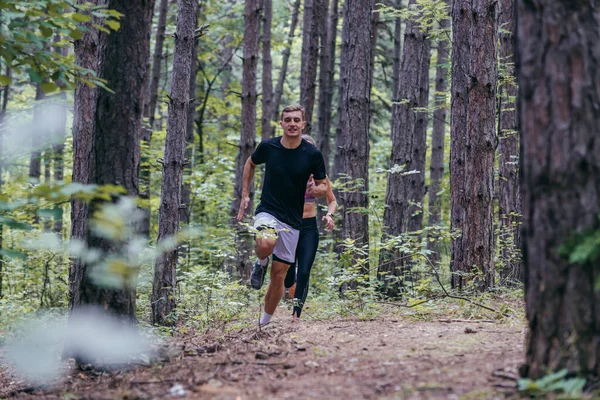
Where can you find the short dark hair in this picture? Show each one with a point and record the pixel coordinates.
(292, 108)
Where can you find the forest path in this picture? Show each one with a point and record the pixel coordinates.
(342, 359)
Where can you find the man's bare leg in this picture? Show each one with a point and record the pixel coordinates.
(263, 247)
(275, 290)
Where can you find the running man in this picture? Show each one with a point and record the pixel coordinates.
(289, 162)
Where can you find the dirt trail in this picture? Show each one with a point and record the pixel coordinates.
(343, 359)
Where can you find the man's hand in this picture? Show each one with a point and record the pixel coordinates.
(243, 205)
(329, 224)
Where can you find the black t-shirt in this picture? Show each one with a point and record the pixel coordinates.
(286, 174)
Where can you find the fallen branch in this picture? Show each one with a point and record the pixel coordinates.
(467, 320)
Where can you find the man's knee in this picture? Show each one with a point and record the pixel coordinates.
(264, 247)
(278, 272)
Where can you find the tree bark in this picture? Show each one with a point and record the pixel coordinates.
(284, 65)
(267, 77)
(115, 154)
(473, 133)
(35, 161)
(397, 51)
(558, 70)
(339, 134)
(436, 172)
(509, 198)
(354, 120)
(404, 195)
(165, 281)
(248, 135)
(150, 107)
(87, 56)
(313, 9)
(326, 74)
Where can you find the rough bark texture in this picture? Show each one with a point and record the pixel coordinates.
(58, 151)
(404, 195)
(285, 57)
(354, 119)
(397, 51)
(115, 157)
(440, 117)
(248, 135)
(150, 107)
(509, 197)
(87, 56)
(149, 113)
(267, 70)
(558, 66)
(313, 9)
(326, 73)
(339, 134)
(473, 134)
(165, 281)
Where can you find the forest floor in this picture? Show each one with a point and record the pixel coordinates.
(390, 357)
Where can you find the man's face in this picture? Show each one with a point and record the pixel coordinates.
(292, 123)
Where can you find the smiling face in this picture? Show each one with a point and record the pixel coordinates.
(292, 123)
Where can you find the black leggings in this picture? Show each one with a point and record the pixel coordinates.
(305, 257)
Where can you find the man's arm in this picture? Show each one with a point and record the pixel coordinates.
(319, 189)
(246, 180)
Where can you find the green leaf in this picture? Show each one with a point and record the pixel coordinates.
(114, 25)
(14, 224)
(76, 34)
(46, 32)
(81, 17)
(48, 87)
(5, 80)
(34, 76)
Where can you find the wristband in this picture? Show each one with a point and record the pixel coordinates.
(330, 215)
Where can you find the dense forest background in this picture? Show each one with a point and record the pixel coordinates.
(125, 127)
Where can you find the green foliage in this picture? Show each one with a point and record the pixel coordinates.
(27, 40)
(556, 382)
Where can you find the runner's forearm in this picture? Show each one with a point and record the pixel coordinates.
(247, 177)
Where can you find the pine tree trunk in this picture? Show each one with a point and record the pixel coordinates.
(339, 133)
(473, 134)
(409, 128)
(247, 139)
(149, 111)
(313, 9)
(354, 120)
(509, 197)
(436, 172)
(397, 51)
(326, 74)
(87, 56)
(35, 161)
(267, 77)
(558, 70)
(284, 64)
(150, 107)
(59, 162)
(164, 285)
(115, 157)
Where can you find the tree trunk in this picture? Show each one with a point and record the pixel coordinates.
(248, 135)
(310, 56)
(558, 73)
(164, 285)
(473, 133)
(509, 198)
(397, 51)
(149, 111)
(267, 78)
(404, 195)
(87, 56)
(339, 134)
(284, 65)
(6, 92)
(326, 74)
(35, 161)
(436, 172)
(116, 132)
(150, 107)
(354, 120)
